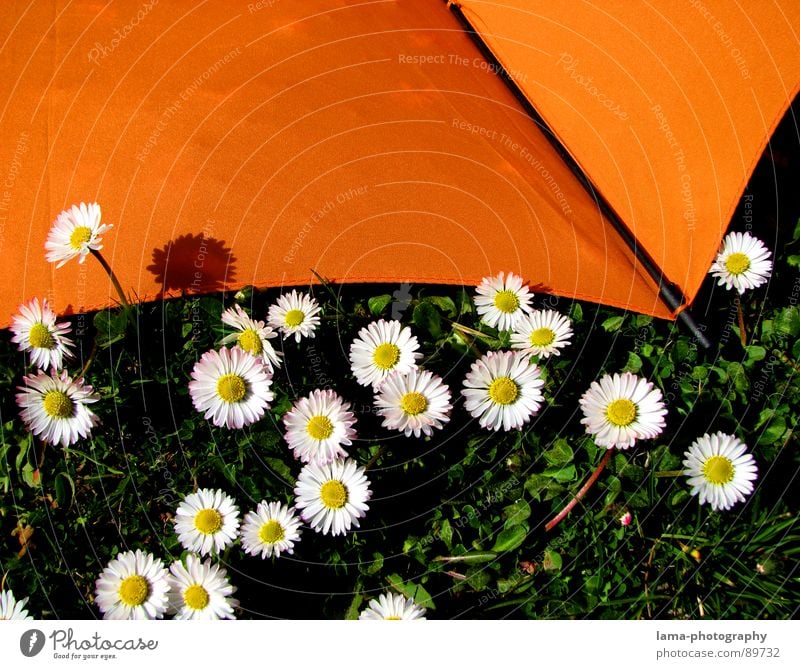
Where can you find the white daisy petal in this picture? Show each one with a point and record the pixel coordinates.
(200, 591)
(332, 497)
(295, 314)
(720, 471)
(53, 407)
(503, 390)
(414, 403)
(390, 606)
(132, 587)
(231, 387)
(542, 333)
(11, 608)
(270, 530)
(75, 233)
(502, 300)
(742, 263)
(36, 332)
(207, 521)
(622, 408)
(382, 348)
(318, 426)
(252, 336)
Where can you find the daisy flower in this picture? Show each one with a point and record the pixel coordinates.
(295, 314)
(381, 348)
(414, 403)
(251, 336)
(75, 232)
(542, 333)
(331, 498)
(200, 591)
(11, 608)
(502, 300)
(53, 407)
(133, 587)
(35, 330)
(622, 408)
(392, 607)
(743, 262)
(271, 529)
(720, 470)
(207, 521)
(503, 389)
(231, 387)
(318, 425)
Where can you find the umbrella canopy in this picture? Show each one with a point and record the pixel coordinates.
(249, 143)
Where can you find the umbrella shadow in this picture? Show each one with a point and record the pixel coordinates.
(193, 263)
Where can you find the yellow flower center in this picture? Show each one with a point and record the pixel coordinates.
(294, 318)
(196, 597)
(506, 301)
(319, 427)
(208, 521)
(231, 388)
(386, 356)
(40, 336)
(542, 337)
(250, 342)
(392, 618)
(621, 412)
(413, 404)
(271, 532)
(80, 236)
(503, 390)
(737, 263)
(134, 590)
(718, 470)
(57, 404)
(333, 494)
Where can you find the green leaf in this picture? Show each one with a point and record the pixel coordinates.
(373, 567)
(378, 304)
(281, 469)
(787, 321)
(634, 363)
(446, 304)
(774, 431)
(552, 560)
(516, 513)
(576, 312)
(65, 489)
(510, 538)
(428, 318)
(613, 324)
(561, 474)
(478, 578)
(756, 353)
(111, 326)
(414, 591)
(354, 610)
(560, 454)
(472, 556)
(793, 261)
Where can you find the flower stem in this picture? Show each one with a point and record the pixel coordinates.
(742, 332)
(589, 483)
(113, 278)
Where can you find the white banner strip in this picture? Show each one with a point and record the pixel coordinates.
(463, 643)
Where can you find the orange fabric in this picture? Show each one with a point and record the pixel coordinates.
(666, 105)
(247, 143)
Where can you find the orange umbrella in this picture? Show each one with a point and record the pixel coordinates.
(596, 148)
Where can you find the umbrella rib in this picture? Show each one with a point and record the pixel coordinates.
(669, 292)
